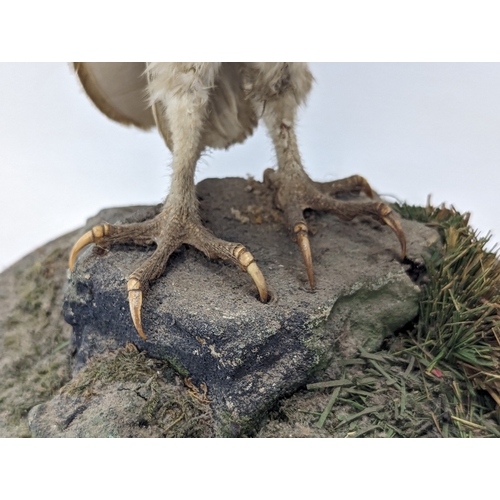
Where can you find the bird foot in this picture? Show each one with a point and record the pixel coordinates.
(295, 193)
(168, 230)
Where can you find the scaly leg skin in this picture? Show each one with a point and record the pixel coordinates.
(178, 222)
(294, 190)
(293, 195)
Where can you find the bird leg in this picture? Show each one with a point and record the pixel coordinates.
(179, 221)
(191, 112)
(294, 190)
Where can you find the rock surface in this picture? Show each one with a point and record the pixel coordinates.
(33, 334)
(123, 394)
(203, 316)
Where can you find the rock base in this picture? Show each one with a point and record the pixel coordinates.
(203, 317)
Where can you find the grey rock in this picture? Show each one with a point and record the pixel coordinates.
(119, 410)
(203, 316)
(123, 393)
(116, 411)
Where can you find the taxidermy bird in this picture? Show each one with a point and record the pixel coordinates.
(214, 105)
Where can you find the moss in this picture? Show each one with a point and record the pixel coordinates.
(31, 371)
(167, 407)
(177, 366)
(124, 365)
(10, 341)
(229, 426)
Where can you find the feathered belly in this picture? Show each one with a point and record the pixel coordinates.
(119, 90)
(231, 115)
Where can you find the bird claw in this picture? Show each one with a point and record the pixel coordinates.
(246, 261)
(134, 289)
(294, 195)
(387, 217)
(300, 231)
(96, 234)
(106, 234)
(248, 264)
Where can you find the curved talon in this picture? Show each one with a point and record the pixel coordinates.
(92, 236)
(395, 225)
(246, 260)
(367, 189)
(135, 304)
(82, 242)
(258, 278)
(300, 231)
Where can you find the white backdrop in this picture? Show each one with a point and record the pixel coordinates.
(411, 129)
